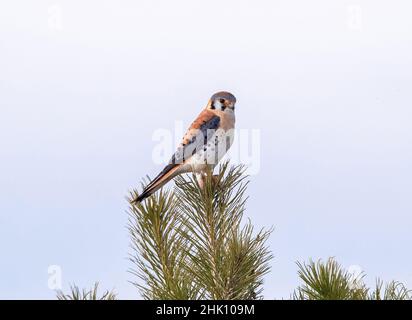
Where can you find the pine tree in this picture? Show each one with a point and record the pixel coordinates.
(190, 243)
(330, 281)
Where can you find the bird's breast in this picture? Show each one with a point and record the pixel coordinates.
(227, 120)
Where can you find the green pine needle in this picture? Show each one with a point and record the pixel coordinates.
(330, 281)
(84, 294)
(189, 243)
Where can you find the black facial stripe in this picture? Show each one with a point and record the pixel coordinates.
(223, 107)
(212, 106)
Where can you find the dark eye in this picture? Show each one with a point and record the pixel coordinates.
(222, 101)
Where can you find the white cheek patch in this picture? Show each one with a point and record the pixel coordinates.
(218, 105)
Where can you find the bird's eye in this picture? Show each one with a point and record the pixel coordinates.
(222, 101)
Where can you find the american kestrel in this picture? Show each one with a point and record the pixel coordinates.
(205, 143)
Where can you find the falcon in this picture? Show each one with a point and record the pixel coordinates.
(205, 143)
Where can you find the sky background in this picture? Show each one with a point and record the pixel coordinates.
(84, 84)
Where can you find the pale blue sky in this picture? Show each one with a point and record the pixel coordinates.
(84, 84)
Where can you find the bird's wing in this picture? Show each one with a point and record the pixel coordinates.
(196, 138)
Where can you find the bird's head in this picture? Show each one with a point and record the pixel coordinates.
(222, 101)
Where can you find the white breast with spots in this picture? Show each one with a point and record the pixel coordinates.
(210, 155)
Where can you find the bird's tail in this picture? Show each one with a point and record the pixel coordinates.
(164, 177)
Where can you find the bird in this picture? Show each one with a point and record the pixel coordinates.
(204, 144)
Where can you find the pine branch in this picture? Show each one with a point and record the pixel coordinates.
(393, 290)
(160, 250)
(190, 243)
(227, 260)
(83, 294)
(329, 281)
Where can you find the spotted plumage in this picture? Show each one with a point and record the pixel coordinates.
(205, 143)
